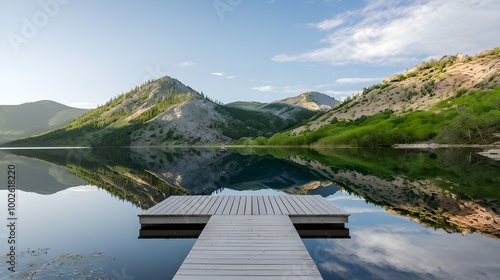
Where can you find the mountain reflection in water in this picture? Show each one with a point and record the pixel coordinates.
(409, 208)
(452, 189)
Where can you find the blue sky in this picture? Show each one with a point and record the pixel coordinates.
(83, 53)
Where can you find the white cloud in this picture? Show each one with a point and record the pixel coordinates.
(221, 74)
(328, 24)
(382, 250)
(186, 64)
(357, 80)
(340, 95)
(387, 32)
(264, 88)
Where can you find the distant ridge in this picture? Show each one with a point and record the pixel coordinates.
(19, 121)
(303, 106)
(312, 101)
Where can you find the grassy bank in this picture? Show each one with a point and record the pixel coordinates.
(469, 119)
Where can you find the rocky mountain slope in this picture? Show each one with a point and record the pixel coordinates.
(315, 101)
(19, 121)
(420, 87)
(165, 112)
(297, 108)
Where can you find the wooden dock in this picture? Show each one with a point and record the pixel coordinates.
(302, 209)
(246, 237)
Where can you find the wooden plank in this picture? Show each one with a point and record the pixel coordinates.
(229, 205)
(255, 206)
(186, 204)
(221, 259)
(262, 207)
(281, 206)
(310, 204)
(288, 205)
(236, 206)
(162, 204)
(308, 201)
(245, 269)
(197, 205)
(248, 205)
(238, 277)
(301, 202)
(167, 204)
(241, 206)
(193, 204)
(203, 206)
(267, 203)
(215, 206)
(301, 209)
(247, 256)
(274, 205)
(331, 208)
(316, 200)
(222, 205)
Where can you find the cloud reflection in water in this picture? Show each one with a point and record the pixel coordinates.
(384, 246)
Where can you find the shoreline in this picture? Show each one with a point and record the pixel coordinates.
(491, 151)
(437, 146)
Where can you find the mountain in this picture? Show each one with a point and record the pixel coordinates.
(299, 107)
(420, 87)
(454, 100)
(312, 100)
(19, 121)
(164, 112)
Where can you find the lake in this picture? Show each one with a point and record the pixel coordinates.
(415, 214)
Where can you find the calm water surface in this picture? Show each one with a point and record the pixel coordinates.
(414, 214)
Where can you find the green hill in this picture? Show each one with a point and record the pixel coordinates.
(163, 112)
(19, 121)
(470, 119)
(250, 105)
(455, 100)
